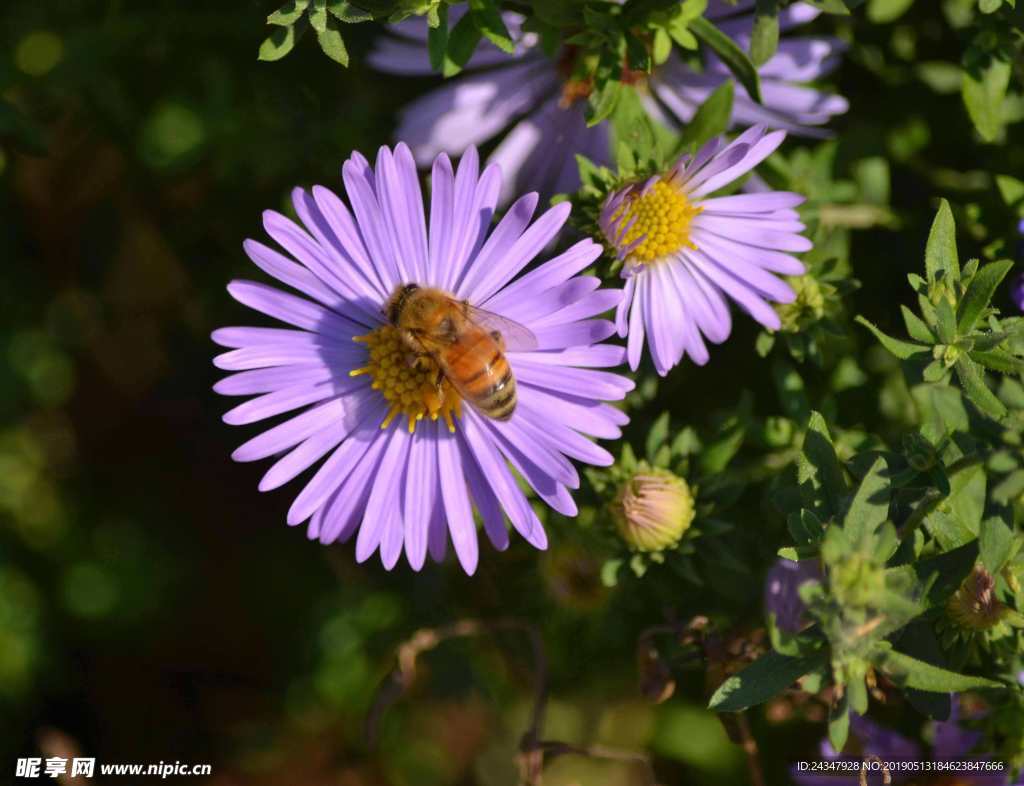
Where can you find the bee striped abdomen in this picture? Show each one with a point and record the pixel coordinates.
(490, 386)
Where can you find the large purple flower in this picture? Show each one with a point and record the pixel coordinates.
(687, 253)
(408, 483)
(531, 94)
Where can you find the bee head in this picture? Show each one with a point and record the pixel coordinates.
(396, 303)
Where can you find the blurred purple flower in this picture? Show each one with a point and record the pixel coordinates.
(951, 742)
(781, 591)
(528, 93)
(391, 486)
(1017, 283)
(687, 254)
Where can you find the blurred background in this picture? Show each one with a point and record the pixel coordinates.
(153, 605)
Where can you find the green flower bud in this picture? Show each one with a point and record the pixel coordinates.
(653, 509)
(807, 307)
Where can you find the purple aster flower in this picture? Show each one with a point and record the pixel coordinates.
(343, 372)
(782, 591)
(534, 98)
(687, 253)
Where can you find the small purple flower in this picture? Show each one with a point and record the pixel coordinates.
(687, 253)
(394, 484)
(782, 591)
(534, 98)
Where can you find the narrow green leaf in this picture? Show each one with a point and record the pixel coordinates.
(603, 102)
(901, 349)
(913, 673)
(710, 120)
(946, 323)
(462, 41)
(281, 41)
(870, 504)
(979, 293)
(318, 16)
(818, 467)
(972, 379)
(437, 39)
(940, 253)
(764, 40)
(998, 360)
(767, 676)
(346, 12)
(730, 53)
(288, 14)
(995, 541)
(839, 724)
(332, 43)
(488, 20)
(885, 11)
(916, 326)
(983, 91)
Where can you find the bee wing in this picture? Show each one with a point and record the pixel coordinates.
(517, 337)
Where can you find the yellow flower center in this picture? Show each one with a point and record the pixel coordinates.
(662, 218)
(408, 381)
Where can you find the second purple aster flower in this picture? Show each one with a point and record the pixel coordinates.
(687, 253)
(406, 462)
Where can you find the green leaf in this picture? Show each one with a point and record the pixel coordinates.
(885, 11)
(603, 101)
(280, 42)
(437, 39)
(662, 46)
(764, 40)
(657, 435)
(710, 120)
(488, 20)
(945, 321)
(818, 467)
(729, 53)
(767, 676)
(983, 90)
(346, 12)
(288, 14)
(910, 672)
(998, 360)
(332, 43)
(318, 16)
(870, 505)
(979, 293)
(462, 41)
(972, 379)
(916, 326)
(940, 254)
(901, 349)
(839, 724)
(995, 541)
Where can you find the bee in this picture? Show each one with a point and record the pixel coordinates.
(467, 344)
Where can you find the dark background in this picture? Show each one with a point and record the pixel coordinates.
(153, 605)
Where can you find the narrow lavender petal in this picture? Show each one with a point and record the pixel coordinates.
(765, 283)
(622, 310)
(581, 414)
(267, 380)
(264, 355)
(305, 455)
(437, 529)
(291, 273)
(338, 466)
(755, 154)
(347, 240)
(524, 436)
(511, 227)
(559, 437)
(237, 337)
(596, 356)
(291, 432)
(359, 182)
(803, 59)
(736, 289)
(344, 510)
(775, 261)
(595, 303)
(550, 274)
(455, 497)
(493, 466)
(280, 401)
(597, 384)
(635, 342)
(402, 203)
(393, 537)
(383, 494)
(709, 310)
(712, 171)
(507, 262)
(574, 334)
(550, 302)
(442, 220)
(553, 493)
(758, 203)
(420, 491)
(486, 502)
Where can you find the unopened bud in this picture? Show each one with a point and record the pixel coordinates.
(653, 509)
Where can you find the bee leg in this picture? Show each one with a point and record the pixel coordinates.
(498, 339)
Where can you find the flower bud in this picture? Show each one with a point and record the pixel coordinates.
(653, 509)
(974, 606)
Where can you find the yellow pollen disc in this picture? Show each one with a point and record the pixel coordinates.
(663, 217)
(407, 381)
